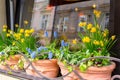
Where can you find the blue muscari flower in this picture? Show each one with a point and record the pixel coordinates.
(41, 48)
(33, 54)
(46, 34)
(50, 55)
(65, 44)
(62, 43)
(61, 48)
(55, 34)
(29, 50)
(1, 53)
(62, 52)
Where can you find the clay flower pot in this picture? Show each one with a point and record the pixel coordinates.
(92, 73)
(48, 68)
(11, 62)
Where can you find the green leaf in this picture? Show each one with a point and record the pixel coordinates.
(83, 67)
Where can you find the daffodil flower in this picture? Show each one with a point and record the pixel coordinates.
(82, 24)
(8, 35)
(86, 39)
(93, 30)
(113, 37)
(4, 26)
(26, 22)
(21, 30)
(31, 30)
(16, 25)
(89, 26)
(74, 41)
(97, 13)
(22, 40)
(4, 30)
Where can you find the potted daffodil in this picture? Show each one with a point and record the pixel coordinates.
(94, 42)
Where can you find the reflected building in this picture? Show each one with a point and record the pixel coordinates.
(69, 15)
(42, 16)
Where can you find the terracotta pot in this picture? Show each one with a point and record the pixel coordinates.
(13, 60)
(48, 68)
(3, 67)
(92, 73)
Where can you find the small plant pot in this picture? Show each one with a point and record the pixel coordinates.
(92, 73)
(11, 63)
(47, 68)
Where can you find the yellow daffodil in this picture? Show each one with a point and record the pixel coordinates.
(8, 35)
(96, 42)
(113, 37)
(13, 43)
(26, 22)
(89, 26)
(4, 26)
(21, 30)
(86, 39)
(93, 30)
(101, 43)
(4, 30)
(27, 35)
(27, 31)
(16, 25)
(74, 41)
(104, 34)
(31, 30)
(97, 13)
(98, 26)
(82, 24)
(22, 40)
(19, 34)
(9, 31)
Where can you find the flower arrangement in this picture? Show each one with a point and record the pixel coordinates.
(94, 42)
(15, 42)
(43, 59)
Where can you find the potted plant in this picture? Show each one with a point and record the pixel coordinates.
(10, 58)
(8, 53)
(44, 60)
(95, 42)
(16, 42)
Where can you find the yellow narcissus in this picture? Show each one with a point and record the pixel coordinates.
(93, 30)
(26, 22)
(97, 13)
(21, 30)
(113, 37)
(82, 24)
(74, 41)
(86, 39)
(89, 26)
